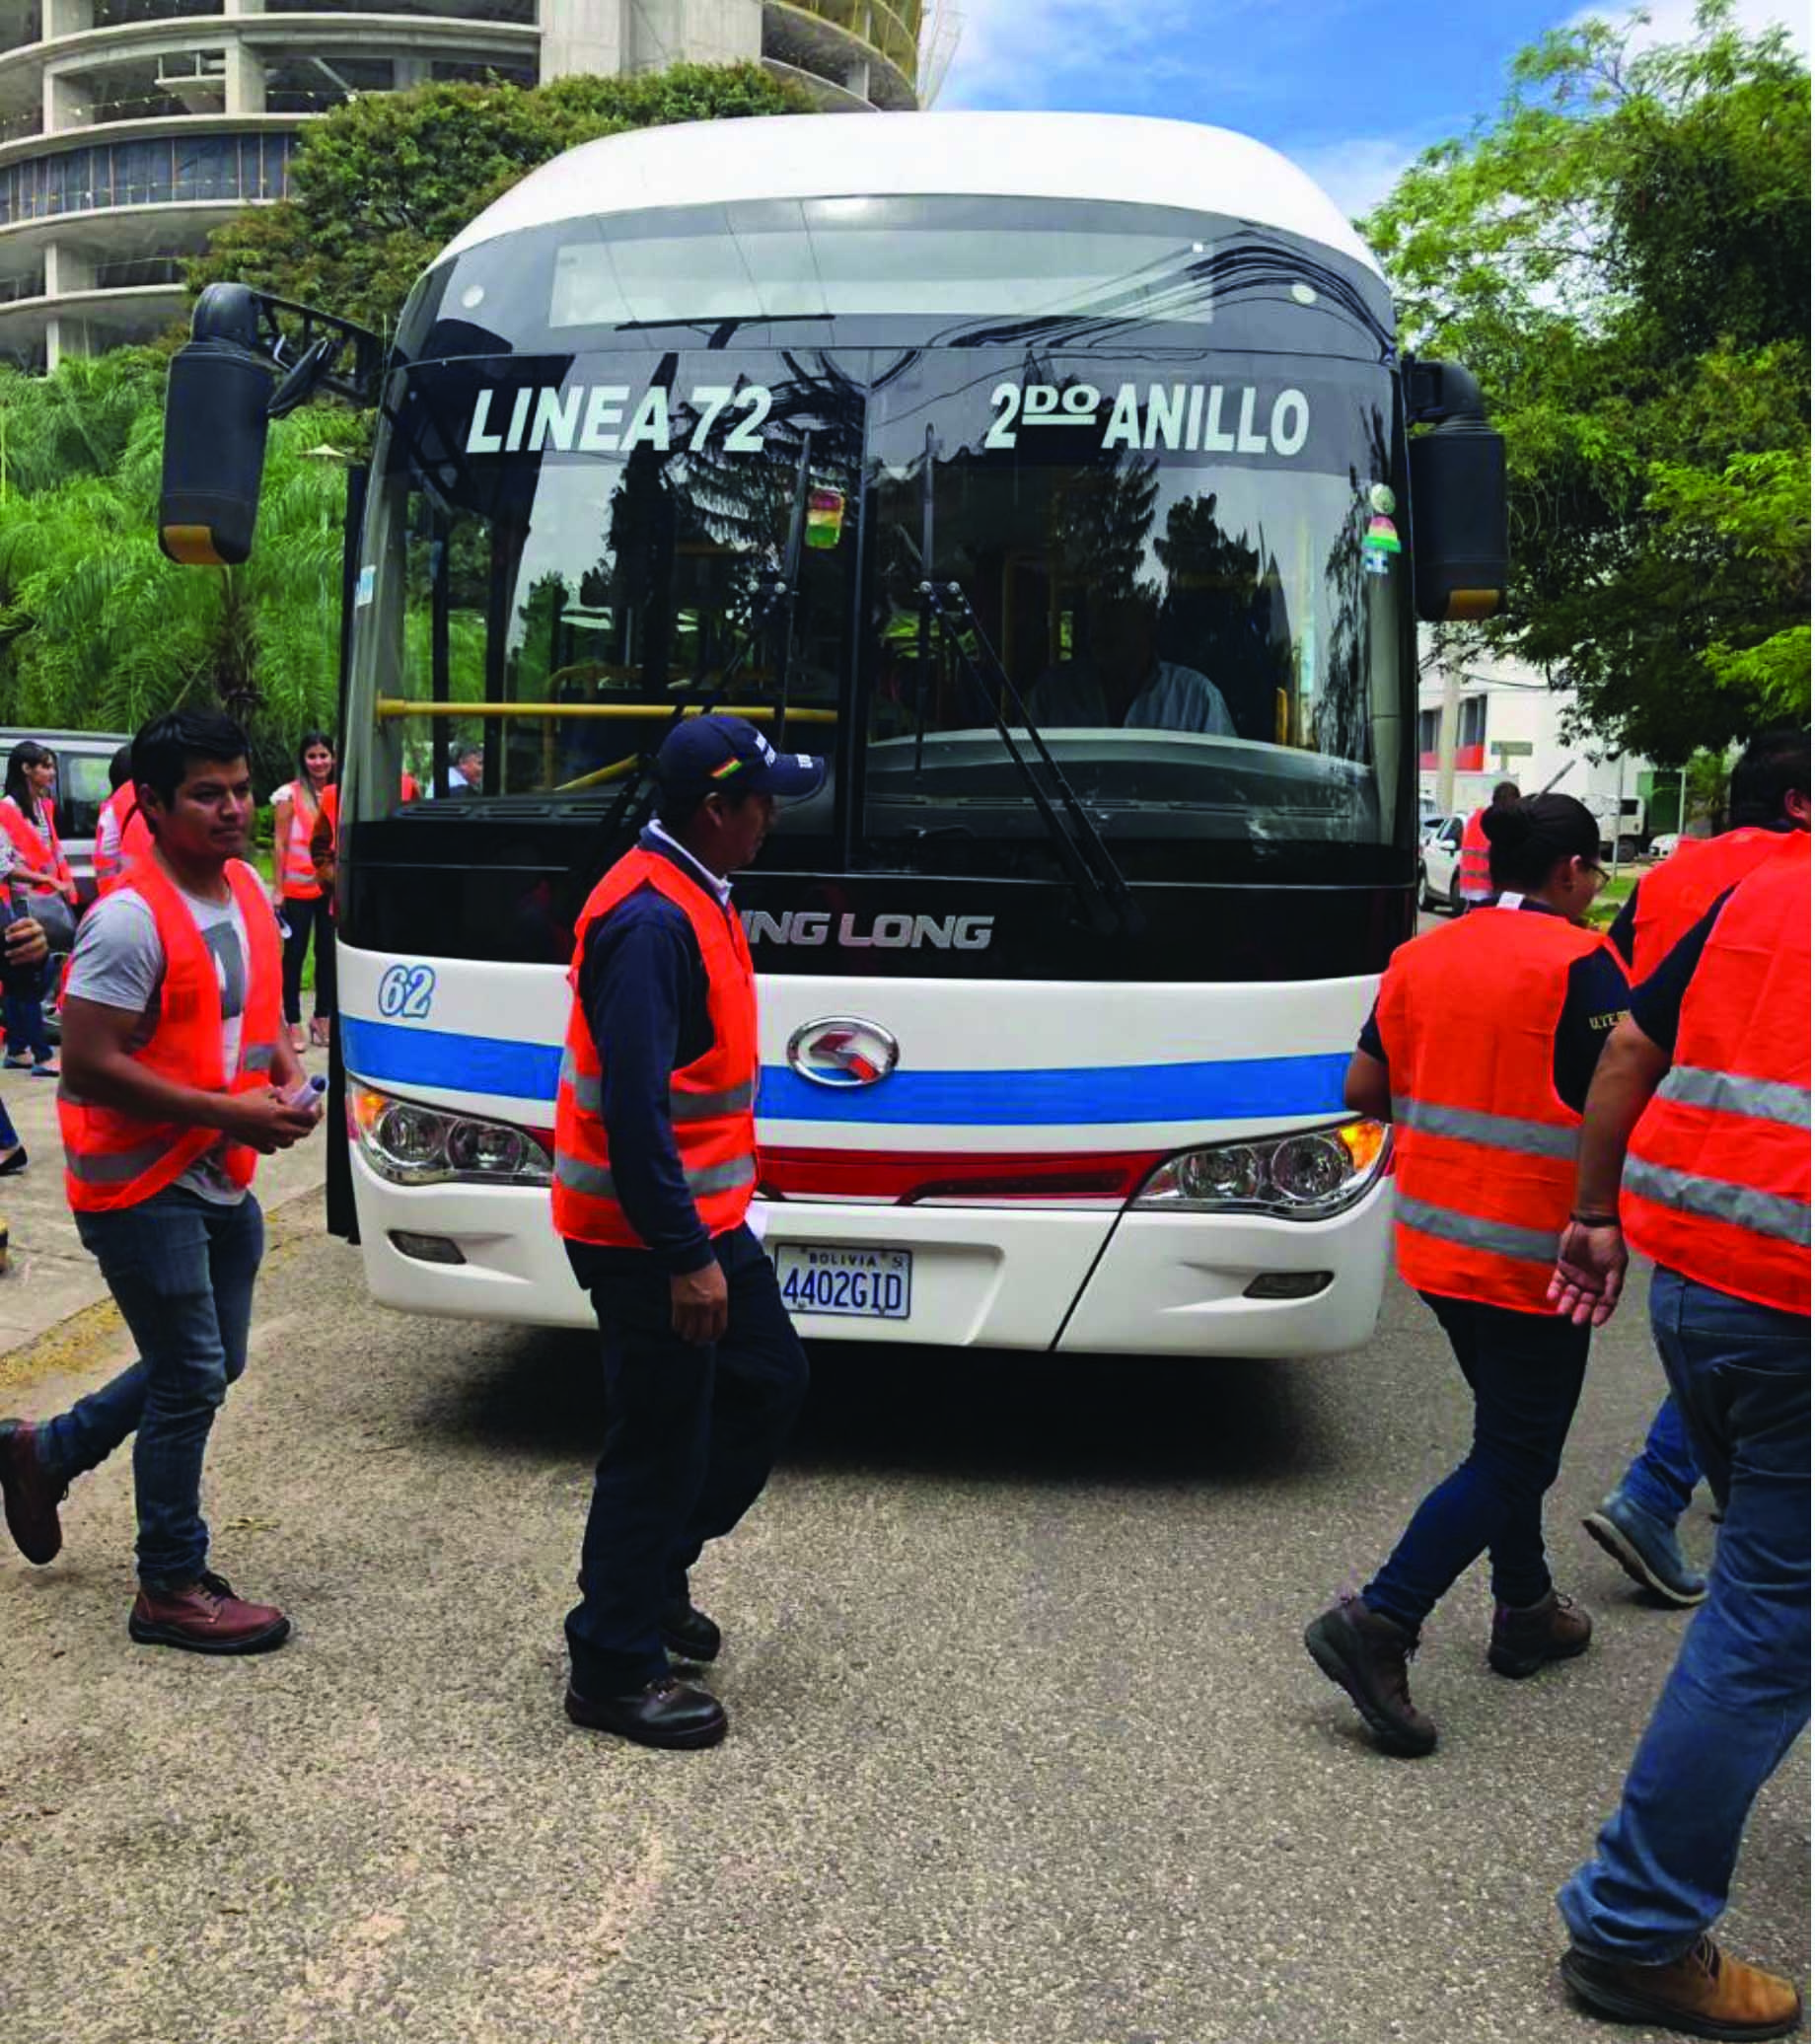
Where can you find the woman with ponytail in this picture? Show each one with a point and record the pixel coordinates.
(1479, 1052)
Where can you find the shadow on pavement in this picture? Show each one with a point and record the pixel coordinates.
(969, 1412)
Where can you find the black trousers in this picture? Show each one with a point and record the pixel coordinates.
(692, 1433)
(317, 915)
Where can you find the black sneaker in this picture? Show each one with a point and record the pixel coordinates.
(1366, 1653)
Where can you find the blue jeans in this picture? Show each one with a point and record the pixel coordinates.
(1664, 1476)
(182, 1270)
(1525, 1370)
(25, 1018)
(1739, 1693)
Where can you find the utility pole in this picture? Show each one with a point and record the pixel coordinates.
(1449, 659)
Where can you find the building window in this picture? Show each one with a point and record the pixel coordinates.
(1473, 726)
(147, 173)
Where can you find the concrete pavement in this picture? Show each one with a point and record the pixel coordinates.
(1024, 1746)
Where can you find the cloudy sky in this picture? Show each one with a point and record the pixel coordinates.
(1351, 89)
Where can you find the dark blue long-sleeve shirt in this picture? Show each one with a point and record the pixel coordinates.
(643, 992)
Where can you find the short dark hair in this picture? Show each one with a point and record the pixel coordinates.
(676, 808)
(1507, 791)
(164, 750)
(119, 767)
(1528, 839)
(1774, 765)
(465, 749)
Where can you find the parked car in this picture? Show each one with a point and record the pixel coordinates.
(82, 760)
(1663, 845)
(1430, 819)
(1440, 865)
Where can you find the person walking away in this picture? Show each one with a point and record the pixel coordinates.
(121, 835)
(296, 894)
(654, 1168)
(28, 817)
(1698, 1122)
(176, 1068)
(22, 948)
(1768, 806)
(1480, 1051)
(1476, 878)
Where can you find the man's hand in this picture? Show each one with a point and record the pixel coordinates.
(26, 942)
(702, 1305)
(265, 1122)
(1590, 1271)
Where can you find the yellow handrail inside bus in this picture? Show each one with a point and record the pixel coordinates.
(390, 707)
(615, 771)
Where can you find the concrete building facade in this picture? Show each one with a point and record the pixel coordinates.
(1512, 725)
(130, 128)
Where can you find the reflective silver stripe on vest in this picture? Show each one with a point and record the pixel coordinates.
(595, 1180)
(586, 1088)
(1716, 1199)
(1470, 1231)
(1763, 1100)
(588, 1096)
(708, 1107)
(113, 1167)
(257, 1057)
(1494, 1131)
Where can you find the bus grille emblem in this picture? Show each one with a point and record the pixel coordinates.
(843, 1050)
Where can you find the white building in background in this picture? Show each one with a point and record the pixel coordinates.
(1509, 726)
(130, 128)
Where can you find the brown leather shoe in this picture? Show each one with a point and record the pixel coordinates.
(1523, 1639)
(30, 1494)
(206, 1618)
(1365, 1652)
(1704, 1993)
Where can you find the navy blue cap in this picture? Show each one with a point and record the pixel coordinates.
(701, 754)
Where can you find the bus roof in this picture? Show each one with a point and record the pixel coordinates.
(1084, 156)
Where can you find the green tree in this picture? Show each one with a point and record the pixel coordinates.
(1623, 258)
(384, 183)
(98, 631)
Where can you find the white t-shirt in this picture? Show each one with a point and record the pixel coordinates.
(119, 963)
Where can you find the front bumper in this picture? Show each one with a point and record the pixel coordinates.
(1084, 1280)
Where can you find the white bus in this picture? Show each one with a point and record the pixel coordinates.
(1048, 473)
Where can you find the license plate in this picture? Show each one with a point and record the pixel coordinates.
(854, 1283)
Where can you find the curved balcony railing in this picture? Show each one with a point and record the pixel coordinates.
(891, 33)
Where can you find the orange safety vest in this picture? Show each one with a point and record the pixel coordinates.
(1477, 880)
(32, 848)
(1486, 1146)
(114, 1159)
(711, 1102)
(1674, 896)
(299, 881)
(1717, 1181)
(135, 838)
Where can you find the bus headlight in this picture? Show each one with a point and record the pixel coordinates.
(1308, 1175)
(412, 1145)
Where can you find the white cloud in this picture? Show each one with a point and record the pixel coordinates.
(1033, 54)
(1674, 21)
(1359, 172)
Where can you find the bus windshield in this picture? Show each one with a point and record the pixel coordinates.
(1181, 544)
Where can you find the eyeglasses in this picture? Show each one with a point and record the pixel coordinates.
(1600, 874)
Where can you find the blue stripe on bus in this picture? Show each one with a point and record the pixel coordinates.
(1215, 1090)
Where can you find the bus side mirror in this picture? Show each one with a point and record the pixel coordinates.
(216, 413)
(1459, 537)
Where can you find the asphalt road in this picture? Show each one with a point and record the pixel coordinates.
(1024, 1746)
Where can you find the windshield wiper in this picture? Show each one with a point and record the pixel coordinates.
(773, 597)
(1108, 902)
